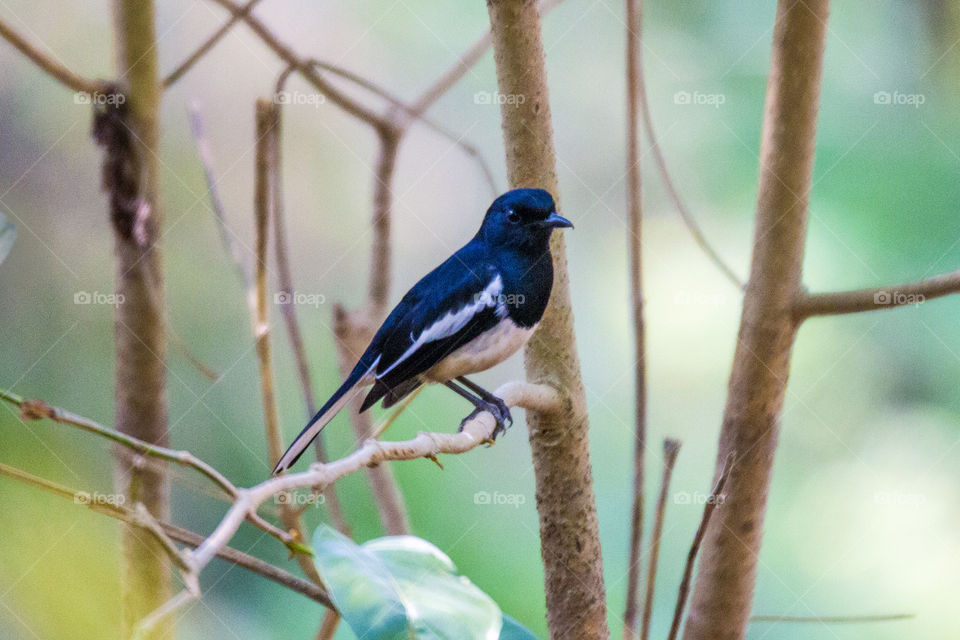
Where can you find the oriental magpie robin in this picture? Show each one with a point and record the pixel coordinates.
(472, 312)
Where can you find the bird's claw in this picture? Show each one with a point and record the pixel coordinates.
(500, 412)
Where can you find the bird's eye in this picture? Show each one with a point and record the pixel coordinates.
(513, 216)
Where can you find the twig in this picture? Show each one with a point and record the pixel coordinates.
(266, 137)
(288, 310)
(536, 397)
(184, 536)
(37, 409)
(635, 249)
(670, 450)
(53, 68)
(712, 501)
(207, 45)
(836, 619)
(877, 299)
(157, 616)
(304, 68)
(691, 223)
(384, 424)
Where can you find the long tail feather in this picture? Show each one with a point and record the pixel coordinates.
(357, 378)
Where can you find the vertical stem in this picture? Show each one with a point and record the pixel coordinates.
(139, 332)
(634, 246)
(570, 544)
(670, 450)
(723, 593)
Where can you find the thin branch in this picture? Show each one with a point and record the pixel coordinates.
(670, 450)
(877, 299)
(713, 500)
(893, 617)
(38, 409)
(635, 248)
(52, 68)
(691, 223)
(285, 292)
(184, 536)
(477, 431)
(266, 137)
(208, 44)
(304, 68)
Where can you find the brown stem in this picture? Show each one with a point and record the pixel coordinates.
(877, 299)
(130, 133)
(207, 45)
(670, 450)
(53, 68)
(716, 497)
(178, 534)
(725, 580)
(635, 250)
(286, 291)
(266, 137)
(570, 544)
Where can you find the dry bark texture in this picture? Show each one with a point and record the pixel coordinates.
(724, 587)
(139, 332)
(570, 543)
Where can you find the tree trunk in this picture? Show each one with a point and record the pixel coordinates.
(570, 544)
(139, 323)
(724, 588)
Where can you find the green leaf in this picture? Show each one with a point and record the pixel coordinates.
(8, 234)
(513, 630)
(402, 587)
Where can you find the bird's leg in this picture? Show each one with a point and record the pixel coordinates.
(490, 404)
(502, 407)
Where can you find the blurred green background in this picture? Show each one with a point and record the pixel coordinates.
(865, 503)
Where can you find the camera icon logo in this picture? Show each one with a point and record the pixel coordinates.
(882, 297)
(481, 497)
(881, 97)
(681, 97)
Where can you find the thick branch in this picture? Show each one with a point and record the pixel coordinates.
(723, 594)
(570, 542)
(878, 299)
(53, 68)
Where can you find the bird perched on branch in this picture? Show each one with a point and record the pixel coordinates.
(472, 312)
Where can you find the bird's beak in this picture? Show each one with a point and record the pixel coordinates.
(555, 221)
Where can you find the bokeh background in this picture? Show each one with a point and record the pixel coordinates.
(865, 502)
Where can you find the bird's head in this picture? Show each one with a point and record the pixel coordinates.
(522, 219)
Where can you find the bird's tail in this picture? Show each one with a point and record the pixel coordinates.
(360, 376)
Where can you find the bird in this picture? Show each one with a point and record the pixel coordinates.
(472, 312)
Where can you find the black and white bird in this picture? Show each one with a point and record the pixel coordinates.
(472, 312)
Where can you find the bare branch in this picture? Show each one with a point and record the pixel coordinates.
(288, 310)
(53, 68)
(635, 250)
(207, 45)
(712, 501)
(540, 398)
(38, 409)
(877, 299)
(670, 450)
(184, 536)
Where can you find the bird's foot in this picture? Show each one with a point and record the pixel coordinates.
(500, 412)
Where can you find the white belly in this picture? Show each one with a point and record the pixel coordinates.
(481, 353)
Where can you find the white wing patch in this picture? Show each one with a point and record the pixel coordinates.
(454, 321)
